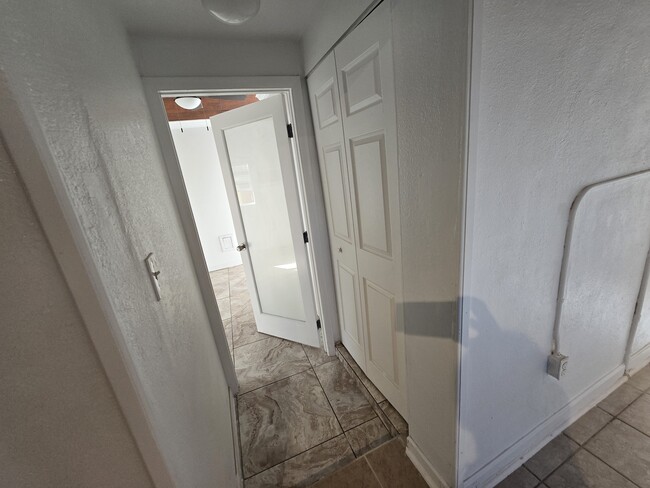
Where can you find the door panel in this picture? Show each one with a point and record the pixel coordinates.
(325, 102)
(380, 313)
(348, 285)
(258, 167)
(362, 81)
(368, 156)
(263, 206)
(339, 196)
(365, 73)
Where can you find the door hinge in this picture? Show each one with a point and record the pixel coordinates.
(318, 323)
(305, 237)
(290, 131)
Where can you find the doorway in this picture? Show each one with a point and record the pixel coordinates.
(236, 161)
(300, 412)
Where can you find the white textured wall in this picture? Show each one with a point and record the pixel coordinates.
(197, 155)
(334, 17)
(68, 65)
(173, 56)
(430, 56)
(60, 424)
(563, 101)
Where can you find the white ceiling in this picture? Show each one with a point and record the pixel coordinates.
(277, 19)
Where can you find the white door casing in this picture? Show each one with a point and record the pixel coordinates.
(256, 158)
(353, 105)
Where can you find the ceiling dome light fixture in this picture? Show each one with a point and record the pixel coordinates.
(232, 12)
(188, 103)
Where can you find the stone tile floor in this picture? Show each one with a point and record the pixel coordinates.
(302, 414)
(608, 447)
(384, 467)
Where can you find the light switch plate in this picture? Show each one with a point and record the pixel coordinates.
(154, 272)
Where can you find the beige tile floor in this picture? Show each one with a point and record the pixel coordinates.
(302, 414)
(608, 447)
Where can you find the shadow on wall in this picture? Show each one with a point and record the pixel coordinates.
(432, 319)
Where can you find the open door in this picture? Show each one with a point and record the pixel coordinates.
(258, 167)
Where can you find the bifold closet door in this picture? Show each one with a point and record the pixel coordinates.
(365, 73)
(365, 105)
(328, 127)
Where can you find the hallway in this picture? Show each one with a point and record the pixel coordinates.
(302, 414)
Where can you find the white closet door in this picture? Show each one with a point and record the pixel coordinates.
(365, 74)
(326, 112)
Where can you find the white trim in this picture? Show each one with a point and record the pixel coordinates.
(638, 360)
(321, 257)
(474, 72)
(632, 357)
(309, 180)
(420, 461)
(29, 150)
(235, 439)
(522, 450)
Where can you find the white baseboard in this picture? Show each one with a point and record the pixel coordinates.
(639, 360)
(225, 262)
(517, 454)
(428, 472)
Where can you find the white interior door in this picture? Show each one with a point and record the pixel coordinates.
(353, 103)
(256, 158)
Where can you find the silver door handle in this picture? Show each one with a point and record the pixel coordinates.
(241, 247)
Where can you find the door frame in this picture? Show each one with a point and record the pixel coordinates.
(309, 189)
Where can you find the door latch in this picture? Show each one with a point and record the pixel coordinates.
(241, 247)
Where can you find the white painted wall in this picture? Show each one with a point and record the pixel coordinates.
(332, 20)
(430, 55)
(197, 155)
(59, 420)
(560, 101)
(69, 70)
(173, 56)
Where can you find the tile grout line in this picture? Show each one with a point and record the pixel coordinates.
(330, 404)
(336, 415)
(362, 385)
(274, 382)
(582, 447)
(372, 470)
(614, 417)
(631, 426)
(295, 456)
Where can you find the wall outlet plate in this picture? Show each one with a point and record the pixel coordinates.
(557, 365)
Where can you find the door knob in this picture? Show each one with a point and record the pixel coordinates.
(241, 247)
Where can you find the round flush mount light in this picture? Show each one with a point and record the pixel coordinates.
(232, 11)
(188, 103)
